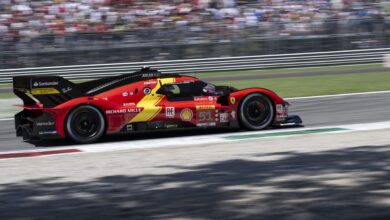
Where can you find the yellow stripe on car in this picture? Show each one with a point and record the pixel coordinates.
(149, 102)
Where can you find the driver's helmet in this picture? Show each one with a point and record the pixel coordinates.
(209, 89)
(172, 89)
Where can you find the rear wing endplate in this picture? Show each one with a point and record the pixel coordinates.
(50, 91)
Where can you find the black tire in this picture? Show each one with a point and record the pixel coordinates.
(256, 111)
(85, 124)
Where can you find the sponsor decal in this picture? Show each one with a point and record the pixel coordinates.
(47, 123)
(147, 91)
(170, 112)
(150, 82)
(44, 91)
(205, 107)
(47, 132)
(201, 98)
(172, 126)
(210, 124)
(66, 90)
(224, 117)
(281, 108)
(116, 111)
(122, 111)
(205, 98)
(233, 114)
(148, 75)
(233, 100)
(186, 114)
(133, 110)
(281, 112)
(131, 93)
(128, 104)
(39, 84)
(129, 127)
(124, 94)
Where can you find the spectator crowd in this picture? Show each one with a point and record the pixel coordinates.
(23, 20)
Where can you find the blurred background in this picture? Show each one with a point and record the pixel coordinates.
(67, 32)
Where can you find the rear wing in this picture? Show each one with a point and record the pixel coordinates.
(50, 91)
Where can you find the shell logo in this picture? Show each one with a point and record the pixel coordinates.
(186, 114)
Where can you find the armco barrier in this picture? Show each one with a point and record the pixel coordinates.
(207, 65)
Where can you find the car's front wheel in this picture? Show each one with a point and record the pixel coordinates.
(85, 124)
(256, 111)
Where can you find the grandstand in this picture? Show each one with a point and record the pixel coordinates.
(64, 32)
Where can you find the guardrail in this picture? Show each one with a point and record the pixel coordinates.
(81, 72)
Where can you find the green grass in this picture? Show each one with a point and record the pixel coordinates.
(319, 85)
(286, 70)
(7, 95)
(303, 86)
(5, 85)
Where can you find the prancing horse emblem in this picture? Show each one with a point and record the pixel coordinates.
(232, 100)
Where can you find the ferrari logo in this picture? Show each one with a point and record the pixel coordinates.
(232, 100)
(186, 114)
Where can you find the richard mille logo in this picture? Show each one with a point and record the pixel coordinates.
(170, 112)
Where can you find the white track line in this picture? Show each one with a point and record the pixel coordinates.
(339, 95)
(6, 119)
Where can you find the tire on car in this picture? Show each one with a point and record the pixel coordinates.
(85, 124)
(256, 111)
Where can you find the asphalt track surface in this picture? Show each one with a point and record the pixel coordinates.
(315, 112)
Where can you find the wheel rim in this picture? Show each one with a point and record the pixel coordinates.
(86, 123)
(257, 111)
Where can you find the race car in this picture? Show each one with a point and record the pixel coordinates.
(54, 107)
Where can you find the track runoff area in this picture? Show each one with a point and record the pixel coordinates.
(341, 104)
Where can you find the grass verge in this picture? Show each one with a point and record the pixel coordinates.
(304, 86)
(7, 95)
(318, 85)
(287, 70)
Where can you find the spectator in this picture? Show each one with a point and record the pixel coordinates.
(184, 20)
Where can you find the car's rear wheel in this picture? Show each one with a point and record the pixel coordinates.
(256, 111)
(85, 124)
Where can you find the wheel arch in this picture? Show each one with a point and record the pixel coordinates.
(84, 104)
(255, 92)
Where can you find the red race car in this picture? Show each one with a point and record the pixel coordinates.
(144, 100)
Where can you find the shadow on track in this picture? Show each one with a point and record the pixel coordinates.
(351, 183)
